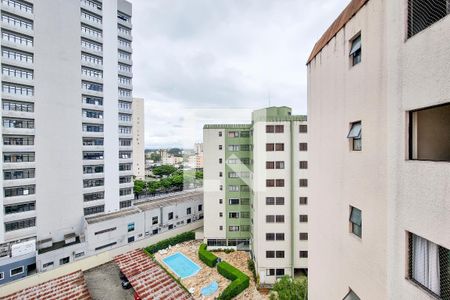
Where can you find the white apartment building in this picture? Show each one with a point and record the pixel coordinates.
(256, 190)
(67, 122)
(138, 138)
(379, 118)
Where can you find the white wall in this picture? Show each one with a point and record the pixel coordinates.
(138, 138)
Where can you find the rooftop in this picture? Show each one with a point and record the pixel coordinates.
(70, 286)
(112, 215)
(352, 8)
(226, 126)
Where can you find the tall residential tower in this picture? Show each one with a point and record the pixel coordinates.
(256, 190)
(67, 122)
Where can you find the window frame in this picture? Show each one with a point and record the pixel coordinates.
(353, 225)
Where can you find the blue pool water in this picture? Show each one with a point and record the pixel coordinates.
(181, 265)
(210, 289)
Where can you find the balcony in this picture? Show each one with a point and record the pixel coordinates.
(18, 8)
(91, 6)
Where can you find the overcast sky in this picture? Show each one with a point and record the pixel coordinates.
(214, 61)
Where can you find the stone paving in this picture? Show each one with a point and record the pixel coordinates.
(206, 275)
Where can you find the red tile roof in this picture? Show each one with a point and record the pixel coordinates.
(70, 286)
(148, 279)
(338, 24)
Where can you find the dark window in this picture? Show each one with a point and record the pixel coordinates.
(170, 216)
(270, 236)
(270, 129)
(20, 224)
(270, 147)
(279, 147)
(279, 236)
(303, 236)
(280, 272)
(355, 50)
(429, 133)
(270, 165)
(94, 210)
(279, 200)
(303, 164)
(220, 147)
(17, 208)
(155, 220)
(220, 160)
(303, 182)
(303, 218)
(124, 204)
(220, 133)
(303, 200)
(424, 13)
(220, 201)
(233, 201)
(303, 147)
(131, 239)
(105, 230)
(188, 211)
(270, 201)
(355, 136)
(279, 165)
(279, 128)
(279, 254)
(64, 260)
(270, 272)
(356, 221)
(17, 271)
(105, 246)
(200, 207)
(270, 219)
(270, 182)
(279, 182)
(270, 254)
(303, 128)
(351, 296)
(130, 227)
(279, 218)
(303, 254)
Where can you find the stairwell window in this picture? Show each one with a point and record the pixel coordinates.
(429, 266)
(355, 50)
(355, 136)
(356, 221)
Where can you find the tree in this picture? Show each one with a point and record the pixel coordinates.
(287, 288)
(164, 170)
(139, 186)
(166, 183)
(175, 152)
(199, 175)
(155, 156)
(177, 180)
(153, 186)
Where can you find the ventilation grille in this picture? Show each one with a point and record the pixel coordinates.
(424, 13)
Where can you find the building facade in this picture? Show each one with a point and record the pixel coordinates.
(67, 121)
(138, 138)
(256, 190)
(379, 117)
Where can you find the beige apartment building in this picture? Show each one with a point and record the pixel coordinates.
(379, 120)
(256, 190)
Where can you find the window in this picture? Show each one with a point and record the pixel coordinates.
(270, 272)
(17, 38)
(429, 266)
(16, 271)
(233, 147)
(20, 224)
(200, 207)
(279, 182)
(94, 210)
(270, 147)
(220, 201)
(303, 236)
(270, 165)
(131, 239)
(424, 13)
(105, 230)
(93, 196)
(429, 133)
(19, 191)
(18, 208)
(279, 147)
(220, 227)
(279, 128)
(18, 157)
(355, 136)
(220, 147)
(46, 265)
(18, 174)
(233, 228)
(188, 211)
(355, 221)
(130, 227)
(233, 215)
(279, 272)
(303, 146)
(170, 216)
(303, 182)
(220, 160)
(124, 204)
(270, 129)
(303, 165)
(351, 296)
(270, 201)
(105, 246)
(270, 182)
(64, 260)
(303, 218)
(270, 254)
(233, 201)
(220, 214)
(220, 133)
(303, 200)
(270, 219)
(279, 254)
(279, 200)
(155, 220)
(355, 50)
(279, 165)
(279, 218)
(18, 106)
(20, 5)
(303, 128)
(233, 134)
(244, 133)
(270, 236)
(303, 254)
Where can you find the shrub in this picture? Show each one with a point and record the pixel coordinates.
(251, 267)
(239, 281)
(186, 236)
(288, 288)
(207, 257)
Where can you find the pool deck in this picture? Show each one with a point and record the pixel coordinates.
(206, 274)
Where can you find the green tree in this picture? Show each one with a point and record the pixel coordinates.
(153, 186)
(166, 183)
(177, 180)
(139, 186)
(287, 288)
(175, 152)
(155, 156)
(164, 170)
(199, 175)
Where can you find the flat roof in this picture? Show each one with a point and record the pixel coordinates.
(148, 279)
(108, 216)
(70, 286)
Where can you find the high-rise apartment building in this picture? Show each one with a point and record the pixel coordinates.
(379, 114)
(67, 122)
(256, 190)
(138, 138)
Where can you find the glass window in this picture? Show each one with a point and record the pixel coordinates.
(355, 50)
(356, 221)
(130, 227)
(351, 296)
(355, 136)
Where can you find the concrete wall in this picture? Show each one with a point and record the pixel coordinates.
(138, 138)
(92, 261)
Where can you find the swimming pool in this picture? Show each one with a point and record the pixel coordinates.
(181, 265)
